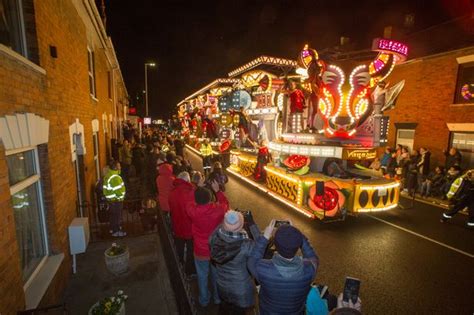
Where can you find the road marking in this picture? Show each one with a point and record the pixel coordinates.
(422, 236)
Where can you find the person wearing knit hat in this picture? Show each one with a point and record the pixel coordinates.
(184, 176)
(233, 221)
(286, 278)
(230, 250)
(288, 240)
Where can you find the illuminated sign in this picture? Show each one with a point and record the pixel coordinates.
(381, 44)
(147, 120)
(132, 111)
(359, 154)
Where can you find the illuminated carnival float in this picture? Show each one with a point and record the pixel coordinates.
(326, 127)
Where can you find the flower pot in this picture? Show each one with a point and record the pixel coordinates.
(120, 312)
(117, 264)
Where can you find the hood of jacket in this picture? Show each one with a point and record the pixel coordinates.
(288, 268)
(178, 182)
(224, 248)
(165, 169)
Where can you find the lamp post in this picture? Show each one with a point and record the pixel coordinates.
(151, 64)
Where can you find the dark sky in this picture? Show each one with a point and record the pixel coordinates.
(195, 42)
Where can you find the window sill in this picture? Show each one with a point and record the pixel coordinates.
(38, 286)
(11, 53)
(462, 104)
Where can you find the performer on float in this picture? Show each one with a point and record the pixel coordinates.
(297, 107)
(314, 74)
(263, 158)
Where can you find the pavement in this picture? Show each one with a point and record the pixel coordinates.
(146, 282)
(408, 262)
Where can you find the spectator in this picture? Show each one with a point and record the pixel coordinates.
(198, 179)
(206, 153)
(411, 175)
(164, 183)
(180, 197)
(392, 165)
(453, 157)
(218, 175)
(138, 158)
(151, 170)
(386, 157)
(125, 160)
(423, 166)
(285, 279)
(432, 183)
(179, 147)
(205, 217)
(375, 165)
(450, 177)
(399, 150)
(230, 249)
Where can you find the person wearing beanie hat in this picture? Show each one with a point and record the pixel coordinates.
(205, 216)
(230, 250)
(286, 278)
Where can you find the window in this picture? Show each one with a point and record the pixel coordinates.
(109, 84)
(464, 142)
(91, 65)
(465, 84)
(25, 189)
(12, 29)
(406, 137)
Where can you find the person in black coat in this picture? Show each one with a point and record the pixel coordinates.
(453, 157)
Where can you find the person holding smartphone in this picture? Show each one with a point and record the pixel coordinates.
(286, 278)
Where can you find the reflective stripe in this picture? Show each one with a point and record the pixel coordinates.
(470, 223)
(446, 216)
(118, 187)
(110, 196)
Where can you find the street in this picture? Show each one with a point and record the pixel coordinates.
(408, 262)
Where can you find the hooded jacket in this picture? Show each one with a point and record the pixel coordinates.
(164, 183)
(113, 186)
(284, 283)
(180, 197)
(204, 220)
(230, 252)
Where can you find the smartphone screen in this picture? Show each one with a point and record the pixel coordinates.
(279, 223)
(351, 290)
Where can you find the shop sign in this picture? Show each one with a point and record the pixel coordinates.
(359, 154)
(147, 120)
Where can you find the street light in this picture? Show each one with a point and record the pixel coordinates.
(151, 64)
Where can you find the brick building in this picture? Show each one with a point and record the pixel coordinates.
(62, 99)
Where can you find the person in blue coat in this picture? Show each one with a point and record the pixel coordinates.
(286, 278)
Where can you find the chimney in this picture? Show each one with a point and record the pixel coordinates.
(409, 20)
(344, 41)
(387, 32)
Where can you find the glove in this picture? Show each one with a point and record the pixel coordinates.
(269, 230)
(249, 219)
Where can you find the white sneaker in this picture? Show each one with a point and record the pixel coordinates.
(119, 234)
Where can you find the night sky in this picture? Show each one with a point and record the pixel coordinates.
(195, 42)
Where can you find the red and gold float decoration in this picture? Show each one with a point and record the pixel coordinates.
(295, 162)
(330, 202)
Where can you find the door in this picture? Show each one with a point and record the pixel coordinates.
(80, 174)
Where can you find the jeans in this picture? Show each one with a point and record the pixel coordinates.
(115, 216)
(182, 246)
(425, 189)
(202, 268)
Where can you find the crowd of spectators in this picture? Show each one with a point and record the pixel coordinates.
(237, 266)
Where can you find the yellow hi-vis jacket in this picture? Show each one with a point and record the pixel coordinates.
(455, 186)
(113, 186)
(206, 149)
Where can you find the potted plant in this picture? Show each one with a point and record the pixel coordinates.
(113, 305)
(116, 258)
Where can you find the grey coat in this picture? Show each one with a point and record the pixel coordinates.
(230, 254)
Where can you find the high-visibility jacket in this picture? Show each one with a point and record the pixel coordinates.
(113, 186)
(455, 186)
(206, 149)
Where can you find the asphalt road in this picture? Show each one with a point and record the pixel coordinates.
(408, 262)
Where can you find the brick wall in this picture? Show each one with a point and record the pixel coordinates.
(427, 99)
(61, 96)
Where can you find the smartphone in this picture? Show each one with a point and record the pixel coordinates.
(351, 290)
(244, 212)
(279, 223)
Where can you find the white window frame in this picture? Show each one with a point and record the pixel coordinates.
(95, 143)
(32, 180)
(403, 142)
(91, 72)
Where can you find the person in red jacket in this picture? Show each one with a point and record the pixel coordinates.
(205, 217)
(182, 196)
(164, 183)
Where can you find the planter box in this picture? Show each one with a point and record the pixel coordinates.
(120, 312)
(117, 264)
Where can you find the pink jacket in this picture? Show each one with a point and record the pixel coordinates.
(204, 220)
(164, 183)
